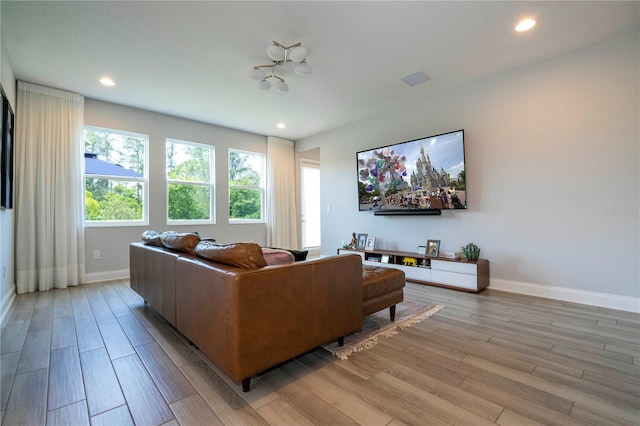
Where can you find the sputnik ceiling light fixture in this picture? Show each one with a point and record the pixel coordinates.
(281, 55)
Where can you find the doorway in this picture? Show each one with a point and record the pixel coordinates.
(310, 205)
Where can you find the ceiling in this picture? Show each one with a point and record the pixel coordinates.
(191, 59)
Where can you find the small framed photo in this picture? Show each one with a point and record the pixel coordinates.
(385, 258)
(362, 241)
(371, 243)
(433, 248)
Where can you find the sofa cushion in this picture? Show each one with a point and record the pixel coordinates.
(378, 281)
(242, 255)
(152, 238)
(277, 256)
(186, 242)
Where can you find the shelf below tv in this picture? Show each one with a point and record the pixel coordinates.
(407, 212)
(466, 275)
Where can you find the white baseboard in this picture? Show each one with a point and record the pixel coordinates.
(106, 276)
(7, 303)
(605, 300)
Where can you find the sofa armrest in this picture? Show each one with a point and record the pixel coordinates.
(152, 276)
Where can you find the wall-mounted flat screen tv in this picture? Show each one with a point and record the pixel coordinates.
(414, 177)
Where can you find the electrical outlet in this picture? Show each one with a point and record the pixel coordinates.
(96, 254)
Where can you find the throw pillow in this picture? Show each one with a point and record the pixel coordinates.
(242, 255)
(180, 242)
(277, 256)
(299, 255)
(152, 238)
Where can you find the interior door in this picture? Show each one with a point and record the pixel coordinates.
(310, 188)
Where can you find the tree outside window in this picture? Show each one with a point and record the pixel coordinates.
(246, 188)
(189, 182)
(115, 183)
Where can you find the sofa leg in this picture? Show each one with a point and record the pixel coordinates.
(392, 312)
(246, 384)
(341, 341)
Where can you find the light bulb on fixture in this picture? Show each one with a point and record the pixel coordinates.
(275, 52)
(264, 85)
(282, 87)
(280, 55)
(302, 69)
(256, 74)
(298, 54)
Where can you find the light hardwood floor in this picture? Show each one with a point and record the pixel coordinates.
(96, 354)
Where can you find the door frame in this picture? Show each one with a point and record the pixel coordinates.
(313, 251)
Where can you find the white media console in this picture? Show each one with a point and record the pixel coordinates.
(467, 275)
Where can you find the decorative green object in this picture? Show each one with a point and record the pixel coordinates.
(471, 251)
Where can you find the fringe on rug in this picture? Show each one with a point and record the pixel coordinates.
(416, 319)
(373, 340)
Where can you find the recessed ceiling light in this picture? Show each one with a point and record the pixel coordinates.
(107, 81)
(281, 125)
(525, 24)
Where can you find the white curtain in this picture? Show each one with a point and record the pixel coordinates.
(282, 215)
(49, 228)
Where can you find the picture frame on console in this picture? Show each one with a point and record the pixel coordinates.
(362, 241)
(433, 248)
(371, 243)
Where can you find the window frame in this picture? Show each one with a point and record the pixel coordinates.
(261, 188)
(144, 180)
(211, 184)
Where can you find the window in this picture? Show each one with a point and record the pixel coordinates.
(190, 182)
(116, 190)
(246, 188)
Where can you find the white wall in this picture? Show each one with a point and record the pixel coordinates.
(552, 173)
(113, 242)
(7, 289)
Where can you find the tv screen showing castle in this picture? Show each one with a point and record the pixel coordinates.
(424, 173)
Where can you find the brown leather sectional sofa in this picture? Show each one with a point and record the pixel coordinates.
(247, 320)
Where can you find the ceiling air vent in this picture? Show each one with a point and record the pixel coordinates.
(416, 78)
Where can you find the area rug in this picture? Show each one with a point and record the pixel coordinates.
(378, 325)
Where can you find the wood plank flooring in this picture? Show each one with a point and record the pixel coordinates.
(95, 354)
